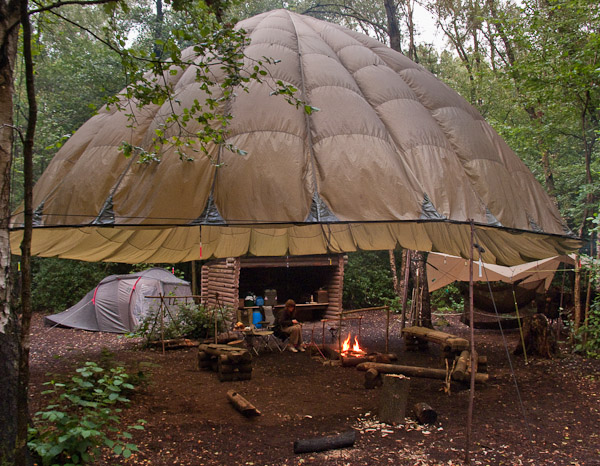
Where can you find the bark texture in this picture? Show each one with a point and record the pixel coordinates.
(9, 323)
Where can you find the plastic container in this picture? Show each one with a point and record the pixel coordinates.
(270, 297)
(260, 301)
(256, 318)
(249, 301)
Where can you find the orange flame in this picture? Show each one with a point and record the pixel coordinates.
(355, 347)
(346, 345)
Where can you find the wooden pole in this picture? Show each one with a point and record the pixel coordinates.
(577, 294)
(162, 322)
(405, 287)
(472, 334)
(194, 279)
(340, 335)
(387, 331)
(520, 326)
(587, 305)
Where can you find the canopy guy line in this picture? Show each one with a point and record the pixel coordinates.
(512, 369)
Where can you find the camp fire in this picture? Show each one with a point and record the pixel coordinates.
(355, 350)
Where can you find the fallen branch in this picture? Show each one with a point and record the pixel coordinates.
(242, 404)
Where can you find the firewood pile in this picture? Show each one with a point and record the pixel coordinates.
(229, 362)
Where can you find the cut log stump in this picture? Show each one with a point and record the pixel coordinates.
(333, 442)
(393, 398)
(229, 362)
(425, 414)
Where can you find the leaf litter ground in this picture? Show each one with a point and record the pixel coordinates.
(190, 421)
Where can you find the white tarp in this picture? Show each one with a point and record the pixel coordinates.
(443, 269)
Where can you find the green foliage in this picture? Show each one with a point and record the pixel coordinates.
(367, 280)
(189, 320)
(83, 417)
(448, 299)
(60, 283)
(587, 339)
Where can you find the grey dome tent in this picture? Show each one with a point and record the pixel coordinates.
(393, 158)
(119, 303)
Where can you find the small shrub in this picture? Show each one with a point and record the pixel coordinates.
(83, 417)
(448, 299)
(190, 320)
(587, 338)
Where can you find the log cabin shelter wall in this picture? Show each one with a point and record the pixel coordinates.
(301, 278)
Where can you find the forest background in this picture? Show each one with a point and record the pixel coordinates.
(531, 68)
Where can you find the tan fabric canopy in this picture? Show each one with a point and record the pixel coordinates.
(392, 158)
(443, 269)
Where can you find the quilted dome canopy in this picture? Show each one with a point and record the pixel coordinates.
(392, 158)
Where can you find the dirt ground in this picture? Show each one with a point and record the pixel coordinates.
(553, 417)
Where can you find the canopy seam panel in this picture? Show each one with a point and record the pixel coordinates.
(307, 119)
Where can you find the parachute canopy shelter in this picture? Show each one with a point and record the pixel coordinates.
(392, 158)
(120, 303)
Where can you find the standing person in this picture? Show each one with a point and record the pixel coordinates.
(291, 326)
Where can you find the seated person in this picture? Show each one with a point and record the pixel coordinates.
(290, 326)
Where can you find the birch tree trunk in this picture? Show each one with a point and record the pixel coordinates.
(10, 16)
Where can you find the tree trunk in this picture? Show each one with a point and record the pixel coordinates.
(549, 176)
(9, 322)
(420, 269)
(393, 29)
(412, 48)
(395, 280)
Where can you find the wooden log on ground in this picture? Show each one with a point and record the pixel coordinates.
(447, 341)
(425, 414)
(460, 371)
(475, 359)
(456, 344)
(352, 361)
(242, 356)
(231, 368)
(382, 357)
(393, 398)
(413, 371)
(175, 343)
(234, 353)
(333, 442)
(482, 364)
(242, 404)
(372, 379)
(235, 376)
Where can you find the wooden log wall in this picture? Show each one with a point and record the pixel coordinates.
(335, 289)
(221, 276)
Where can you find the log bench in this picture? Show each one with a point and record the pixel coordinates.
(229, 362)
(418, 337)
